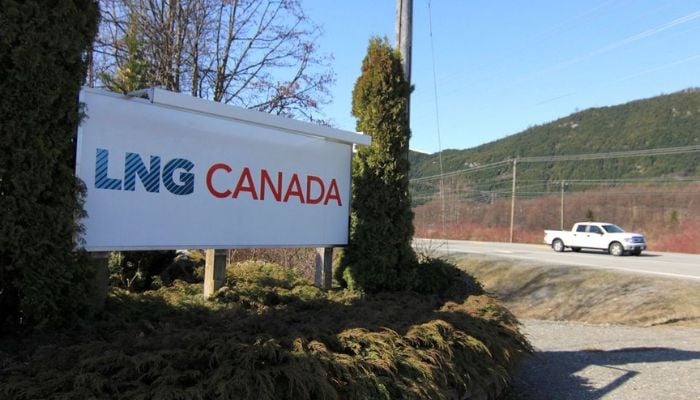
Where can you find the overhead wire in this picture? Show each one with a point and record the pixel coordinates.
(461, 171)
(612, 46)
(596, 52)
(616, 154)
(533, 194)
(563, 25)
(662, 151)
(437, 119)
(488, 186)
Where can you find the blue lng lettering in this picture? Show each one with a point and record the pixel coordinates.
(134, 166)
(186, 178)
(150, 177)
(102, 181)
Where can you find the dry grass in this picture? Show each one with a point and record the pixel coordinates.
(668, 216)
(587, 295)
(270, 335)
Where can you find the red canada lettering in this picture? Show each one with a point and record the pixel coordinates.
(265, 180)
(333, 193)
(271, 187)
(309, 196)
(294, 189)
(210, 174)
(245, 184)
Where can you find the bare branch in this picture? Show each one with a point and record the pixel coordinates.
(252, 53)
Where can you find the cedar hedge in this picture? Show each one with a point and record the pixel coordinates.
(43, 51)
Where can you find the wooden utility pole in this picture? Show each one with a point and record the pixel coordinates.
(562, 205)
(404, 42)
(512, 201)
(404, 34)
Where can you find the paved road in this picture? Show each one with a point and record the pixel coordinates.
(677, 265)
(586, 362)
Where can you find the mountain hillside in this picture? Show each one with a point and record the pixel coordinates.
(656, 195)
(660, 122)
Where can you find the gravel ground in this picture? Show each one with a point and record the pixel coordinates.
(576, 361)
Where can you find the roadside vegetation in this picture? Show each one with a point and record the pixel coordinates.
(269, 334)
(547, 292)
(669, 215)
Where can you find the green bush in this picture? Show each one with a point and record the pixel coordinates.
(264, 274)
(379, 254)
(437, 276)
(258, 283)
(43, 50)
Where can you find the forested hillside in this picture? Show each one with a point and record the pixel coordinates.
(652, 194)
(660, 122)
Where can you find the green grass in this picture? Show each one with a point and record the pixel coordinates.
(268, 334)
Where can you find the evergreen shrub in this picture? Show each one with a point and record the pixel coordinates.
(43, 52)
(379, 254)
(437, 276)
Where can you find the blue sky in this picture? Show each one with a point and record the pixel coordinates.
(503, 66)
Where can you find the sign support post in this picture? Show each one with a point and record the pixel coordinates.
(100, 263)
(323, 277)
(214, 271)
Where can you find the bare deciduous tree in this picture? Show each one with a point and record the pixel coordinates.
(257, 54)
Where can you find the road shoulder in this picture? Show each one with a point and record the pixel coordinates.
(578, 361)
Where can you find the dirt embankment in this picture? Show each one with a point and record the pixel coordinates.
(533, 291)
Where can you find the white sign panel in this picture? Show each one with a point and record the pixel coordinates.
(160, 176)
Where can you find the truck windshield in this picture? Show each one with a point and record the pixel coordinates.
(612, 229)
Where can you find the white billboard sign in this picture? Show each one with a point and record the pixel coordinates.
(174, 171)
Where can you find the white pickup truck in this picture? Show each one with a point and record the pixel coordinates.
(597, 235)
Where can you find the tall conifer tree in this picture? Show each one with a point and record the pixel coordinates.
(43, 50)
(379, 256)
(135, 72)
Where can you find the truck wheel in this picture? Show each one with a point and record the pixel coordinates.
(616, 249)
(558, 245)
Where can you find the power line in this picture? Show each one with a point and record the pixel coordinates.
(487, 188)
(615, 45)
(437, 115)
(567, 23)
(617, 154)
(571, 157)
(612, 46)
(508, 194)
(461, 171)
(664, 180)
